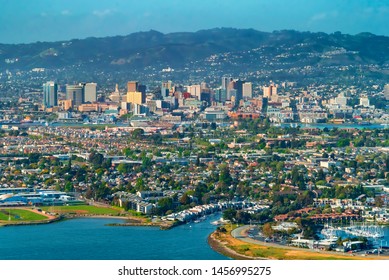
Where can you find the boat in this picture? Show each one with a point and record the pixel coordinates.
(369, 231)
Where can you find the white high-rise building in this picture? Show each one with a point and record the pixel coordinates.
(225, 82)
(341, 100)
(90, 94)
(195, 90)
(386, 91)
(247, 90)
(364, 101)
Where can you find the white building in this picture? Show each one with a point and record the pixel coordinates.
(364, 101)
(90, 92)
(247, 90)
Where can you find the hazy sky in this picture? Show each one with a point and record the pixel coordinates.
(52, 20)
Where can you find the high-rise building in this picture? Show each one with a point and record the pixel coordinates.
(132, 86)
(76, 94)
(239, 91)
(142, 89)
(225, 82)
(167, 85)
(135, 87)
(386, 91)
(247, 90)
(90, 94)
(364, 101)
(341, 100)
(220, 95)
(230, 89)
(50, 94)
(135, 97)
(269, 91)
(195, 90)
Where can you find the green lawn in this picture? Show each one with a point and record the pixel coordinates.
(20, 215)
(82, 209)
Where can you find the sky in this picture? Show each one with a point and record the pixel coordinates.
(25, 21)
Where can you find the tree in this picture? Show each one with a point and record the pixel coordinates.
(185, 199)
(242, 217)
(96, 158)
(123, 168)
(343, 143)
(34, 157)
(267, 230)
(165, 204)
(320, 175)
(225, 178)
(137, 133)
(229, 214)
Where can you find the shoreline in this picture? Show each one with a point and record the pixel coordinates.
(52, 219)
(222, 249)
(220, 243)
(33, 223)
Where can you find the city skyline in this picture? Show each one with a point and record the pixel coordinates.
(43, 20)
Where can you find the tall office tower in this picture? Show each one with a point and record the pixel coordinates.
(274, 89)
(90, 94)
(167, 85)
(239, 91)
(231, 87)
(247, 90)
(364, 101)
(386, 91)
(135, 97)
(195, 90)
(225, 81)
(220, 95)
(269, 91)
(203, 86)
(341, 99)
(266, 92)
(76, 94)
(232, 95)
(132, 86)
(223, 95)
(50, 94)
(164, 92)
(142, 89)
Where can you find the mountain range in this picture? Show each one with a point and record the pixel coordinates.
(220, 48)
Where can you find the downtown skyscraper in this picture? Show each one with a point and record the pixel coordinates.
(50, 94)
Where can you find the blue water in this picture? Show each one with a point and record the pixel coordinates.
(90, 239)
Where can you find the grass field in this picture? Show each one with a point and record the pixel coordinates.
(20, 215)
(82, 210)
